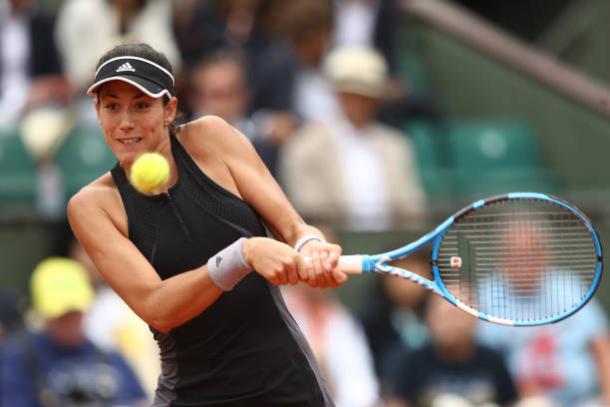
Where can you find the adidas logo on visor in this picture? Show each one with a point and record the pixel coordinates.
(126, 67)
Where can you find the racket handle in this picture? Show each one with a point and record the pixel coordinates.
(351, 264)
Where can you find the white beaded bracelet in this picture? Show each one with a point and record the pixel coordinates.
(305, 239)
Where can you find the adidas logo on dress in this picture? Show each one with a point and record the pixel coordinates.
(125, 67)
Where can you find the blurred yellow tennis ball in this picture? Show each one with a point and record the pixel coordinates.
(149, 172)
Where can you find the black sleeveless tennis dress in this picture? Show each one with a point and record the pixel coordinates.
(245, 349)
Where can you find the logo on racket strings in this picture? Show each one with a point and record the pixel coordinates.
(455, 262)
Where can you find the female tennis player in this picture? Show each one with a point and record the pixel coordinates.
(193, 261)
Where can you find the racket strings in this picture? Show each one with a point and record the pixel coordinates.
(522, 260)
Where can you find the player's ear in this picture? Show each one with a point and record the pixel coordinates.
(171, 108)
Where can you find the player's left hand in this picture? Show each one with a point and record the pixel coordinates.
(322, 265)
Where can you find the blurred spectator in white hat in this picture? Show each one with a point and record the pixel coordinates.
(352, 169)
(367, 23)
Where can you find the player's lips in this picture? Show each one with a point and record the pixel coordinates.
(131, 140)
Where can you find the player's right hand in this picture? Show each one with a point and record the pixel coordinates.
(275, 261)
(322, 261)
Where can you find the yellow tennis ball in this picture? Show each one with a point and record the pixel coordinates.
(149, 172)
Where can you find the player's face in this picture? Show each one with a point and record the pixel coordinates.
(132, 121)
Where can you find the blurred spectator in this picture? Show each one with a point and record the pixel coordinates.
(373, 23)
(34, 94)
(87, 28)
(352, 169)
(30, 67)
(394, 318)
(218, 34)
(338, 343)
(308, 26)
(453, 366)
(59, 366)
(568, 362)
(219, 87)
(111, 325)
(247, 26)
(271, 66)
(199, 29)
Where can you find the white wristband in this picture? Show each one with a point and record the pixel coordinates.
(306, 238)
(227, 267)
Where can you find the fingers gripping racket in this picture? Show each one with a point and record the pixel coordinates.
(518, 259)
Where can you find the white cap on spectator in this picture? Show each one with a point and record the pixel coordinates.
(362, 71)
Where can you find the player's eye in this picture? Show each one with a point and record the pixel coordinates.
(111, 106)
(142, 105)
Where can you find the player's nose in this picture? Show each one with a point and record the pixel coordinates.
(126, 122)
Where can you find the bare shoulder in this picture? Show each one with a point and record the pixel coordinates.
(99, 199)
(207, 124)
(210, 133)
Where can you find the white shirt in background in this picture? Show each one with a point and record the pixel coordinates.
(355, 22)
(341, 349)
(315, 98)
(368, 206)
(14, 53)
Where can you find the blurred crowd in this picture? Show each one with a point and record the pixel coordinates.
(316, 86)
(296, 78)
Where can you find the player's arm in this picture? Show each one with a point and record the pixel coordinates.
(257, 186)
(163, 304)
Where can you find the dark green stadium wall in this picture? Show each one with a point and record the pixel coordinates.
(22, 245)
(575, 139)
(589, 50)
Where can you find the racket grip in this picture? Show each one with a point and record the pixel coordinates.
(351, 264)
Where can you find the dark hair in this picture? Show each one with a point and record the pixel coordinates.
(140, 50)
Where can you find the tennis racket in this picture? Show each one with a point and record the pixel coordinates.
(519, 259)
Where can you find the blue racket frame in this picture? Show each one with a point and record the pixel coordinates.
(378, 263)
